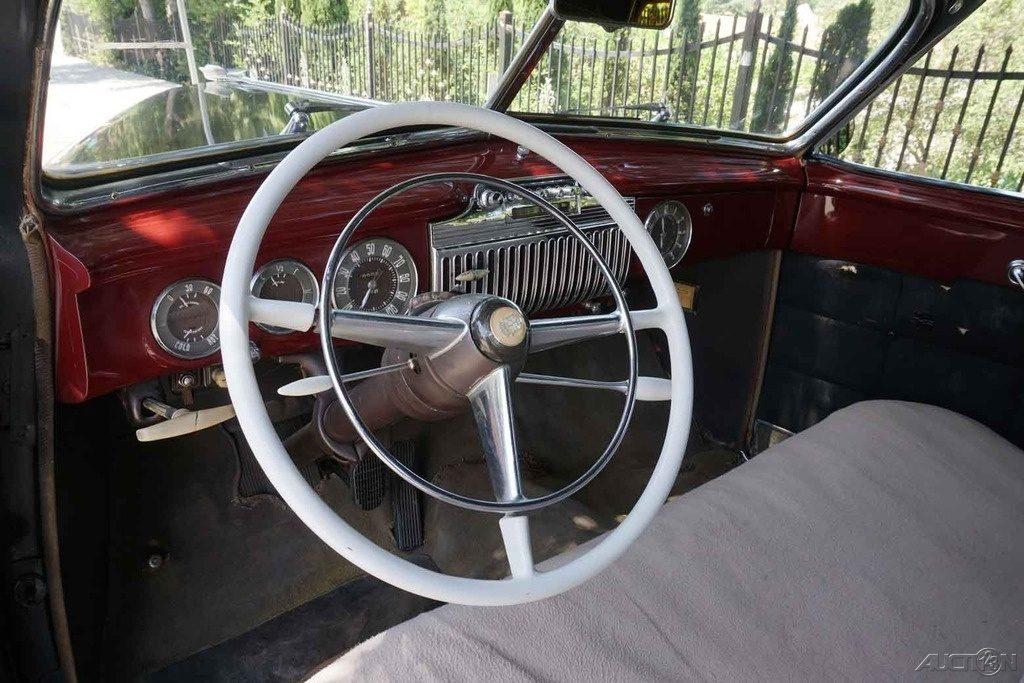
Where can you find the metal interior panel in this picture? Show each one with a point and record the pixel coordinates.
(529, 259)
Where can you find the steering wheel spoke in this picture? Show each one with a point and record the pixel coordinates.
(491, 400)
(410, 333)
(290, 315)
(647, 388)
(515, 534)
(315, 384)
(548, 333)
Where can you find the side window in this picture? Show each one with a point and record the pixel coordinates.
(954, 115)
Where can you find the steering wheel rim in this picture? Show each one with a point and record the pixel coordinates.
(237, 307)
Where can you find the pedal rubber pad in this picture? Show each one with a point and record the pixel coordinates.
(368, 481)
(406, 502)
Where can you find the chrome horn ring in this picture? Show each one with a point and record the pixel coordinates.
(492, 415)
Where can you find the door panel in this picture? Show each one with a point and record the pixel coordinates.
(896, 289)
(917, 227)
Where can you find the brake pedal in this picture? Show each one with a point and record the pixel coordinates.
(406, 503)
(368, 480)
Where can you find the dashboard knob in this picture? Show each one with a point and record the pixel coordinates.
(489, 199)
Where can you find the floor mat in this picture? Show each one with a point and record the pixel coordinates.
(293, 645)
(225, 564)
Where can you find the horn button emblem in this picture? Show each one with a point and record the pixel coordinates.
(508, 327)
(500, 330)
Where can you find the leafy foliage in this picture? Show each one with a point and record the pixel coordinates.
(771, 98)
(686, 26)
(844, 45)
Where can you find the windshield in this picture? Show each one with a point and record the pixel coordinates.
(132, 86)
(135, 82)
(759, 67)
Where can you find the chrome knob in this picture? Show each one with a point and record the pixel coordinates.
(489, 199)
(1015, 273)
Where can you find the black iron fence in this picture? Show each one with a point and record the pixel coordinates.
(366, 59)
(943, 120)
(955, 121)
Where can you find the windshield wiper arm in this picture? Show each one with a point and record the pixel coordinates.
(298, 114)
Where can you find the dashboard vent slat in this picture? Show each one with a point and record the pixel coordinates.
(533, 261)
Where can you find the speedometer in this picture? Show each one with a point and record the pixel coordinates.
(375, 275)
(185, 318)
(285, 280)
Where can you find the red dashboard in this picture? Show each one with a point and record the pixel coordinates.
(110, 264)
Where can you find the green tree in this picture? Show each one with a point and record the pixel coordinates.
(321, 12)
(435, 20)
(773, 89)
(686, 26)
(844, 45)
(528, 10)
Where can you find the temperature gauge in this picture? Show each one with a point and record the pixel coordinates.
(185, 319)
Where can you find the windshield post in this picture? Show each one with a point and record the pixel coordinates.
(522, 65)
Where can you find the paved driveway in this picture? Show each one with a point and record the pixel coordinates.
(83, 96)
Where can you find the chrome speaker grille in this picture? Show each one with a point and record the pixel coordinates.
(532, 261)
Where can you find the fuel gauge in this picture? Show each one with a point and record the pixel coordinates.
(285, 280)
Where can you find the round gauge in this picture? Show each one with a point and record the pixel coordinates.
(375, 275)
(185, 319)
(671, 228)
(285, 280)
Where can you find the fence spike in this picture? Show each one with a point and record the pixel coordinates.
(963, 110)
(988, 114)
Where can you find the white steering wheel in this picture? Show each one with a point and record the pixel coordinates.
(238, 307)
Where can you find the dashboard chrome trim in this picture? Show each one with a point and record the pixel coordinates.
(519, 257)
(73, 200)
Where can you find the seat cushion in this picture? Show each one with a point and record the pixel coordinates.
(887, 532)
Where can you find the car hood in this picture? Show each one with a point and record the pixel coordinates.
(188, 119)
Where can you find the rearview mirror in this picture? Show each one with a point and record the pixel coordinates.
(656, 14)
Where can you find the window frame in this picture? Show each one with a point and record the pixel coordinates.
(816, 153)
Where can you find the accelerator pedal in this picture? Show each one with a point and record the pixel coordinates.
(406, 504)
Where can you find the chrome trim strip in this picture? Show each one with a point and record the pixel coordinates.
(67, 201)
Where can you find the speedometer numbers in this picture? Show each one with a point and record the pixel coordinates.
(285, 280)
(375, 275)
(185, 319)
